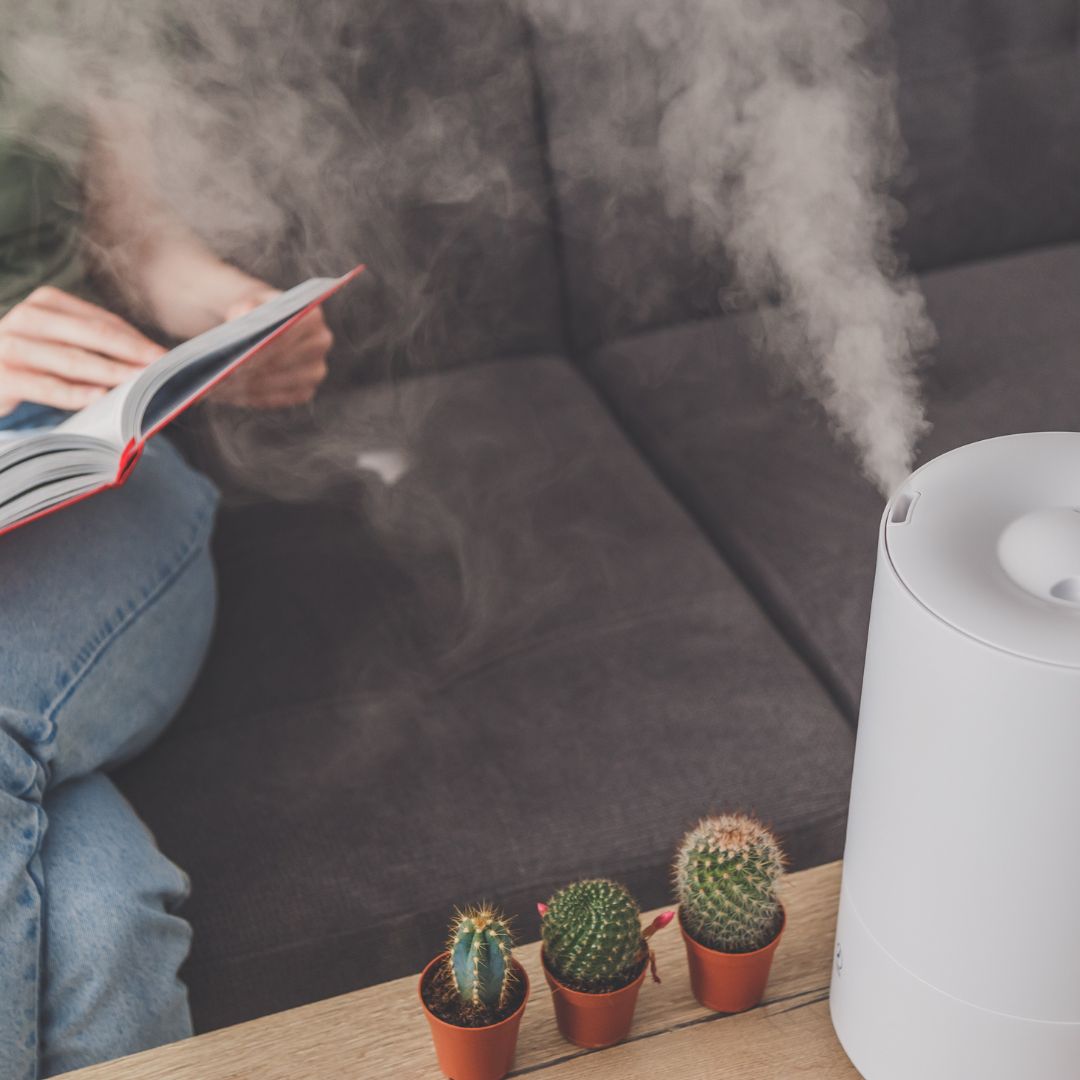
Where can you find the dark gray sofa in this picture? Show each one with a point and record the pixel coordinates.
(626, 579)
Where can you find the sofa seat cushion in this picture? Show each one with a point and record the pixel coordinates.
(756, 465)
(517, 663)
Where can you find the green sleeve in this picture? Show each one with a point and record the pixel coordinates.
(42, 147)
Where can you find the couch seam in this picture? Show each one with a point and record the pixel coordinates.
(573, 353)
(804, 653)
(641, 865)
(582, 630)
(989, 64)
(547, 171)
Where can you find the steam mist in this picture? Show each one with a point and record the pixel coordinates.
(275, 135)
(777, 137)
(282, 134)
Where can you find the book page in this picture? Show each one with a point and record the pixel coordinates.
(49, 458)
(104, 420)
(188, 370)
(137, 407)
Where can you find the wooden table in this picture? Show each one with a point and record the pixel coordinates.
(381, 1032)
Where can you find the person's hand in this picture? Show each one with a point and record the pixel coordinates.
(59, 350)
(286, 372)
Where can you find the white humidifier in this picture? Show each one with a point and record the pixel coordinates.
(958, 942)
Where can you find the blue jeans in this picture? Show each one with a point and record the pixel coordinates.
(106, 611)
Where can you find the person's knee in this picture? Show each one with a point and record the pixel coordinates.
(112, 986)
(109, 886)
(105, 924)
(77, 581)
(138, 682)
(113, 943)
(26, 745)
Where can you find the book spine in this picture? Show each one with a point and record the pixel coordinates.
(130, 455)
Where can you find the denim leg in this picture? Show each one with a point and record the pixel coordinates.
(73, 584)
(22, 825)
(105, 614)
(112, 945)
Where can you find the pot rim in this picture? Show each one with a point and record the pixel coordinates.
(592, 995)
(516, 1014)
(771, 944)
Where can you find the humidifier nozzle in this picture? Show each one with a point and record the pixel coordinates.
(1040, 551)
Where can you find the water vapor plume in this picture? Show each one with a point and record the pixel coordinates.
(281, 134)
(776, 140)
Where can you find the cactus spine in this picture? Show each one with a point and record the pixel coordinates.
(726, 874)
(479, 958)
(592, 936)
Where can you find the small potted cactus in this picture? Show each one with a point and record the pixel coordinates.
(726, 873)
(595, 954)
(474, 996)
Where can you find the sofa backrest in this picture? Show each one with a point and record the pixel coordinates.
(441, 189)
(490, 233)
(989, 106)
(989, 103)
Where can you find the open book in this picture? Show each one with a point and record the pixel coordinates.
(97, 448)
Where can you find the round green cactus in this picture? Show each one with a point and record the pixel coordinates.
(592, 936)
(726, 874)
(479, 956)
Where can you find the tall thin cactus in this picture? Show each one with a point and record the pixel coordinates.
(479, 958)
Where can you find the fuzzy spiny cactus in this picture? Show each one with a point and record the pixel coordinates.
(480, 958)
(592, 934)
(726, 874)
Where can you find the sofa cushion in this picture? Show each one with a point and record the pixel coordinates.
(988, 99)
(460, 231)
(755, 463)
(517, 663)
(420, 155)
(989, 103)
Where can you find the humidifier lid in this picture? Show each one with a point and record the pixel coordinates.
(987, 537)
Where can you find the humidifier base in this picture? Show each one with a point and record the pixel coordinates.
(895, 1026)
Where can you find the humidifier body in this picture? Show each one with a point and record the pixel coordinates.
(957, 950)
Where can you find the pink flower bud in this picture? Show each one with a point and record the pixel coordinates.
(543, 909)
(661, 920)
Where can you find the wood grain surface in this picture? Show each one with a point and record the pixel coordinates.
(381, 1031)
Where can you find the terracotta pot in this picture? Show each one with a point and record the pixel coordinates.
(594, 1020)
(729, 982)
(475, 1053)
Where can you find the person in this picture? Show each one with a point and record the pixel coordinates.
(107, 607)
